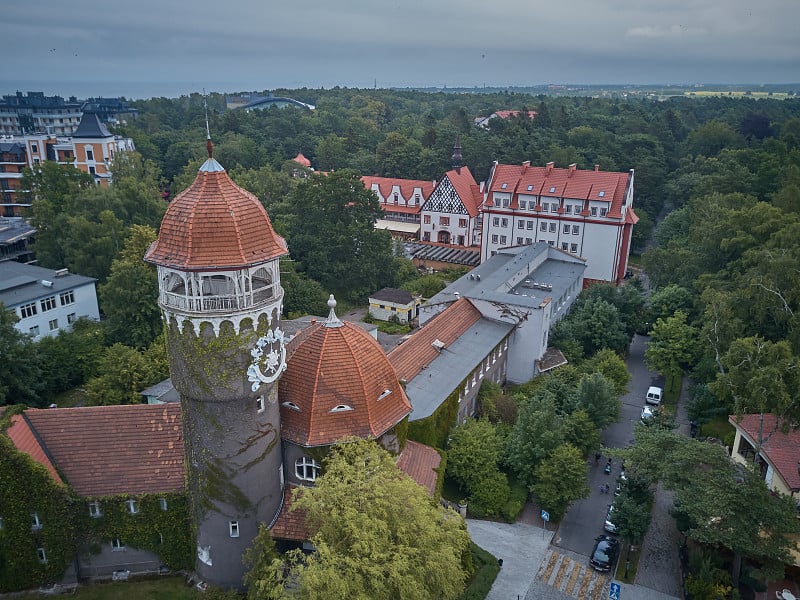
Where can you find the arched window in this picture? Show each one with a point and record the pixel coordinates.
(306, 469)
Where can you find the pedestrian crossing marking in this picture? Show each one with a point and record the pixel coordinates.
(572, 577)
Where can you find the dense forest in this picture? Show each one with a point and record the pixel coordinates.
(720, 177)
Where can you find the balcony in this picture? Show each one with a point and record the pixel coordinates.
(217, 304)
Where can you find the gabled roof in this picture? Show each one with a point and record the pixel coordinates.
(27, 441)
(466, 188)
(572, 183)
(418, 351)
(782, 450)
(109, 450)
(336, 366)
(302, 160)
(91, 127)
(215, 224)
(407, 187)
(394, 295)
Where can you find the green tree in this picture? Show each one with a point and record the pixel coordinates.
(581, 432)
(537, 432)
(612, 367)
(332, 234)
(125, 373)
(376, 533)
(473, 456)
(592, 325)
(20, 377)
(671, 346)
(130, 296)
(560, 479)
(70, 358)
(666, 301)
(599, 399)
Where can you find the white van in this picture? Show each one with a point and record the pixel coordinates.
(654, 395)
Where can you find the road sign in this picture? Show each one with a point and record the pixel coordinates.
(614, 591)
(545, 515)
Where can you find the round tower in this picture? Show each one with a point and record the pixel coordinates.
(220, 292)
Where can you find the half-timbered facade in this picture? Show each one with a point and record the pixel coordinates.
(450, 216)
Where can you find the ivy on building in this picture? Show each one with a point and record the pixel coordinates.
(434, 430)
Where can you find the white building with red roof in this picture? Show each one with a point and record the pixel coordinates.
(586, 213)
(401, 201)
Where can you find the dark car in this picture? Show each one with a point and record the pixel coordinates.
(604, 555)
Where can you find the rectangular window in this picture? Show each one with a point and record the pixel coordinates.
(566, 229)
(568, 209)
(564, 245)
(520, 224)
(67, 298)
(89, 154)
(554, 207)
(551, 242)
(504, 222)
(522, 204)
(53, 323)
(545, 206)
(48, 303)
(519, 241)
(41, 554)
(530, 225)
(233, 527)
(576, 229)
(94, 509)
(573, 248)
(496, 221)
(528, 241)
(163, 503)
(117, 545)
(494, 239)
(34, 331)
(603, 212)
(444, 221)
(34, 149)
(260, 406)
(552, 227)
(505, 202)
(133, 506)
(28, 310)
(426, 219)
(503, 239)
(462, 223)
(71, 318)
(36, 524)
(594, 211)
(543, 226)
(92, 170)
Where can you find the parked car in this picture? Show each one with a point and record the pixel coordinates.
(609, 524)
(647, 413)
(654, 395)
(605, 553)
(620, 482)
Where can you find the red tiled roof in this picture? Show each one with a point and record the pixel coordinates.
(467, 189)
(577, 184)
(419, 462)
(25, 441)
(339, 366)
(290, 524)
(108, 450)
(506, 114)
(418, 351)
(407, 187)
(781, 449)
(215, 224)
(302, 160)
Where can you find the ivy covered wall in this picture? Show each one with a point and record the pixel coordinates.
(434, 430)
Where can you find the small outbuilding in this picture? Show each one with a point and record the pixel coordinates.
(392, 302)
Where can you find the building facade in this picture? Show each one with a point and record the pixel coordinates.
(34, 112)
(586, 213)
(401, 201)
(46, 301)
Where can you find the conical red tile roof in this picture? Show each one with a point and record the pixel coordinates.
(215, 224)
(338, 366)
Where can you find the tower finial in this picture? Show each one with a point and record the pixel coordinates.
(457, 154)
(209, 145)
(333, 320)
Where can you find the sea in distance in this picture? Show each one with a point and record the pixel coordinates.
(131, 90)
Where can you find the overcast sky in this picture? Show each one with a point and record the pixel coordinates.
(230, 45)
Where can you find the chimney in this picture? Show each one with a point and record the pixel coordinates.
(457, 154)
(596, 168)
(572, 168)
(550, 166)
(526, 163)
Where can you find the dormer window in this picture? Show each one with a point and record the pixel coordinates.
(601, 194)
(291, 405)
(504, 186)
(341, 408)
(530, 187)
(384, 393)
(553, 190)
